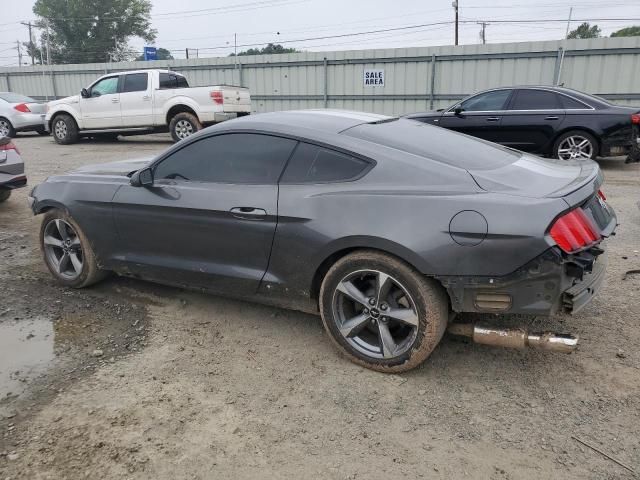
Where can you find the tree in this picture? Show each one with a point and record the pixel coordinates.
(585, 31)
(161, 53)
(627, 32)
(271, 48)
(93, 30)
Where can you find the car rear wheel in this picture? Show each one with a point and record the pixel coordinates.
(382, 313)
(67, 251)
(574, 145)
(65, 129)
(183, 125)
(6, 129)
(5, 193)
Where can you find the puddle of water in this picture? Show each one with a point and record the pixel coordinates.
(26, 350)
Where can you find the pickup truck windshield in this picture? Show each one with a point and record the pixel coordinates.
(171, 80)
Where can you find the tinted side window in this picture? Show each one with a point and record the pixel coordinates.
(571, 104)
(487, 102)
(168, 80)
(135, 82)
(314, 164)
(535, 100)
(230, 158)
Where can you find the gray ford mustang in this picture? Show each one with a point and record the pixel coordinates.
(384, 226)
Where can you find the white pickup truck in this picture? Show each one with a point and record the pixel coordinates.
(143, 101)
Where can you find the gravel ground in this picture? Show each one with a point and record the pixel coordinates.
(133, 380)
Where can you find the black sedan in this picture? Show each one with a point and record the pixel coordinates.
(551, 121)
(382, 225)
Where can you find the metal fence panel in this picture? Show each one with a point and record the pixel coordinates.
(415, 79)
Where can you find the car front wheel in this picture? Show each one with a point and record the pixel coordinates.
(381, 313)
(67, 251)
(65, 129)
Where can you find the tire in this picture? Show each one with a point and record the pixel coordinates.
(183, 125)
(42, 131)
(72, 276)
(6, 128)
(427, 311)
(575, 144)
(64, 129)
(5, 193)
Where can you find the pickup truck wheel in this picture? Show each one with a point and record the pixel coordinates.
(65, 129)
(183, 125)
(5, 193)
(382, 313)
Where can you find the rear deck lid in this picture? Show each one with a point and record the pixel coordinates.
(532, 176)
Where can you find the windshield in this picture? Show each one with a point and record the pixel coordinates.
(11, 97)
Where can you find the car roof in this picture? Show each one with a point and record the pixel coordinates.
(325, 120)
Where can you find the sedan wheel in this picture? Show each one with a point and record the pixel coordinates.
(381, 312)
(575, 145)
(6, 129)
(67, 251)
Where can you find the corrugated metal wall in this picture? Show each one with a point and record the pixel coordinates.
(415, 78)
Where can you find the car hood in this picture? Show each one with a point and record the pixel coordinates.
(532, 176)
(122, 167)
(64, 101)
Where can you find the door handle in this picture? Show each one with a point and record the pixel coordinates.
(114, 100)
(493, 119)
(248, 213)
(146, 97)
(551, 117)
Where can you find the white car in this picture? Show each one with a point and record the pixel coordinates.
(143, 101)
(19, 113)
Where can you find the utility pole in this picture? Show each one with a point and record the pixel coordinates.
(48, 44)
(31, 47)
(19, 53)
(483, 32)
(566, 35)
(455, 7)
(186, 51)
(235, 50)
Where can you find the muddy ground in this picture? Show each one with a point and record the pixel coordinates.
(137, 381)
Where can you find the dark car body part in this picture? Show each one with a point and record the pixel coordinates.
(411, 199)
(534, 128)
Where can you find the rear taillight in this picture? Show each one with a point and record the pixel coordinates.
(602, 195)
(574, 231)
(217, 97)
(22, 107)
(635, 119)
(9, 146)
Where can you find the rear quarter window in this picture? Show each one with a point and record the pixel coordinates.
(315, 164)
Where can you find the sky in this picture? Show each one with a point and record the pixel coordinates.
(207, 27)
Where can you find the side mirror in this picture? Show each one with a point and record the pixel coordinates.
(84, 93)
(142, 178)
(458, 110)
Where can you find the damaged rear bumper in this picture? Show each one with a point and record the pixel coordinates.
(551, 283)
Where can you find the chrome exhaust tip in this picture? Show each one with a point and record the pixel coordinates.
(515, 338)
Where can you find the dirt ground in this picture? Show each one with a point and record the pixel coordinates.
(130, 380)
